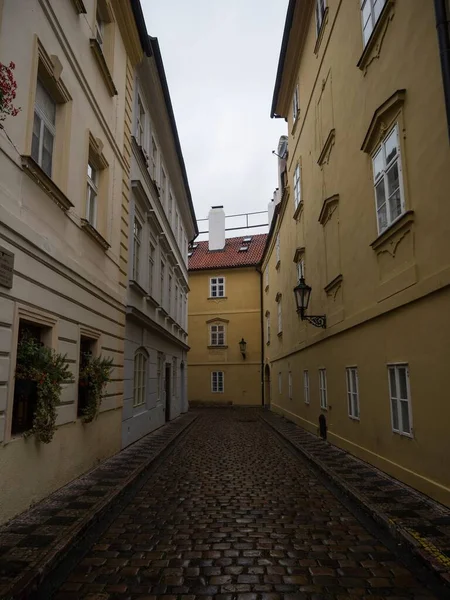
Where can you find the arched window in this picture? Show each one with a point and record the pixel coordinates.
(140, 377)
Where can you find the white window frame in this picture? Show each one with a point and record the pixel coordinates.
(154, 158)
(217, 382)
(99, 30)
(45, 123)
(92, 194)
(395, 368)
(141, 117)
(353, 392)
(215, 283)
(306, 396)
(382, 179)
(290, 385)
(140, 377)
(280, 382)
(321, 6)
(295, 105)
(373, 20)
(323, 389)
(297, 186)
(280, 316)
(217, 334)
(137, 242)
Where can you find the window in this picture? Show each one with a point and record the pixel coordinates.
(323, 388)
(277, 247)
(140, 377)
(306, 386)
(170, 295)
(387, 176)
(169, 210)
(163, 280)
(353, 392)
(177, 227)
(92, 194)
(217, 287)
(290, 384)
(217, 335)
(99, 30)
(154, 159)
(44, 129)
(400, 399)
(370, 13)
(137, 235)
(320, 13)
(217, 382)
(159, 370)
(151, 267)
(295, 105)
(280, 381)
(301, 269)
(297, 190)
(140, 122)
(280, 317)
(176, 304)
(268, 328)
(163, 186)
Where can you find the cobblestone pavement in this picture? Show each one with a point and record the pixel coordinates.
(233, 513)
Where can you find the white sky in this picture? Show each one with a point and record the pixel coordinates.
(220, 60)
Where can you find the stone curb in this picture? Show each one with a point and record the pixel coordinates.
(394, 528)
(27, 583)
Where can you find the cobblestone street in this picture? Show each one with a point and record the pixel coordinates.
(233, 512)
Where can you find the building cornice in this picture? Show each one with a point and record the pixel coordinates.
(127, 19)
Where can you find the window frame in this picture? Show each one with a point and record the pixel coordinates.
(383, 177)
(323, 391)
(140, 376)
(306, 395)
(297, 186)
(279, 316)
(151, 266)
(268, 328)
(92, 193)
(396, 368)
(45, 123)
(141, 119)
(219, 377)
(295, 105)
(353, 393)
(280, 383)
(373, 20)
(217, 331)
(137, 247)
(320, 9)
(214, 288)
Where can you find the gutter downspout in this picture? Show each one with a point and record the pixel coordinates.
(444, 51)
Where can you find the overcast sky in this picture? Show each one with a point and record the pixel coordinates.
(220, 60)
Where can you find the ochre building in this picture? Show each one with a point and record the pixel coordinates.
(364, 218)
(224, 310)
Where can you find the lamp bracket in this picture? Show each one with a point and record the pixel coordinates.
(316, 320)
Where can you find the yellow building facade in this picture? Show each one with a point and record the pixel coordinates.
(363, 216)
(224, 309)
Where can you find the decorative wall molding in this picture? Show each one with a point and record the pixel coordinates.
(34, 171)
(94, 234)
(324, 157)
(328, 208)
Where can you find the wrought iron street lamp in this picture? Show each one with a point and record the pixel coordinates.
(243, 347)
(302, 293)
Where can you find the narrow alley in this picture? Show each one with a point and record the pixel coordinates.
(231, 511)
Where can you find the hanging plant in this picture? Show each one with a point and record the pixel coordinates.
(43, 370)
(95, 373)
(8, 87)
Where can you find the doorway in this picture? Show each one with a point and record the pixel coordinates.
(267, 386)
(168, 391)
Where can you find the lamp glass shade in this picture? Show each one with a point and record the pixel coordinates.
(302, 293)
(243, 345)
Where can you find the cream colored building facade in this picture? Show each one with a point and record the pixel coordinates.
(64, 203)
(224, 308)
(363, 215)
(162, 222)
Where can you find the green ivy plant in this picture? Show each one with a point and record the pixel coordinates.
(36, 362)
(95, 372)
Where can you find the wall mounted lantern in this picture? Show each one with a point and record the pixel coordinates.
(302, 293)
(243, 347)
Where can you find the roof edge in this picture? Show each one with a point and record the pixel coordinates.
(141, 26)
(283, 52)
(156, 53)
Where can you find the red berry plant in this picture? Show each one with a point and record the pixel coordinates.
(8, 88)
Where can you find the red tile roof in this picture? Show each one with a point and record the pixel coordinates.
(230, 256)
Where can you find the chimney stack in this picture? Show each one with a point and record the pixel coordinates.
(216, 218)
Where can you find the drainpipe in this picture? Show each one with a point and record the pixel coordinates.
(262, 333)
(444, 51)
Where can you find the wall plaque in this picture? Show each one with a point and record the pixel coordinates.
(6, 268)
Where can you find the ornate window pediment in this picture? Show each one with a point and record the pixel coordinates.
(382, 120)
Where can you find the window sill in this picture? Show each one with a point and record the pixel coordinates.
(79, 6)
(266, 289)
(278, 265)
(94, 234)
(34, 171)
(298, 211)
(151, 299)
(355, 419)
(280, 334)
(295, 123)
(217, 347)
(400, 223)
(100, 58)
(137, 287)
(321, 31)
(402, 434)
(217, 297)
(373, 47)
(324, 408)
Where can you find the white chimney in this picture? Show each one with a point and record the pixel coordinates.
(216, 218)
